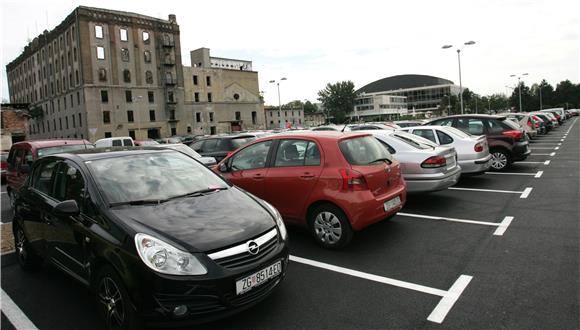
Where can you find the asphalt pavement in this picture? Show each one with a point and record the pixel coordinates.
(497, 251)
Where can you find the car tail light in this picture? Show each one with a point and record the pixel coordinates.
(537, 125)
(434, 162)
(353, 180)
(530, 124)
(478, 147)
(517, 135)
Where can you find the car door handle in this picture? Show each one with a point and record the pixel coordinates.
(258, 177)
(48, 220)
(307, 176)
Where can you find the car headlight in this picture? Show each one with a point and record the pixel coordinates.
(278, 218)
(164, 258)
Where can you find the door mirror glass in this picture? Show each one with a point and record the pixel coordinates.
(67, 208)
(223, 167)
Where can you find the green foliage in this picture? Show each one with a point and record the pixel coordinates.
(309, 107)
(36, 113)
(338, 99)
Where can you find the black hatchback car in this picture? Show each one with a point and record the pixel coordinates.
(159, 237)
(218, 146)
(507, 142)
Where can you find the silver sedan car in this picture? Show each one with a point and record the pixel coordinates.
(472, 151)
(425, 165)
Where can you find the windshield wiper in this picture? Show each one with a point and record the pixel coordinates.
(381, 160)
(139, 202)
(198, 193)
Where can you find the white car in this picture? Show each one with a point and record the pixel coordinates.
(472, 151)
(121, 141)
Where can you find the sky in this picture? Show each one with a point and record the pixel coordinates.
(313, 43)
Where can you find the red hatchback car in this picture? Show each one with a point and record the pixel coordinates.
(22, 154)
(331, 182)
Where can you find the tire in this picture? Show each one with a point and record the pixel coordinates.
(330, 227)
(113, 301)
(500, 160)
(12, 201)
(27, 258)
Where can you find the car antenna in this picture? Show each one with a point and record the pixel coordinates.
(346, 124)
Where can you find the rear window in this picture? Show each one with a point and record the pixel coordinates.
(238, 142)
(64, 148)
(414, 141)
(510, 124)
(363, 150)
(457, 132)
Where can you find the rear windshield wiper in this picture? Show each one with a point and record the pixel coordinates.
(381, 160)
(198, 193)
(139, 202)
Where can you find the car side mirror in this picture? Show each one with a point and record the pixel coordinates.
(67, 208)
(25, 168)
(223, 167)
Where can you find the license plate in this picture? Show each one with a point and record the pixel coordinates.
(391, 204)
(258, 278)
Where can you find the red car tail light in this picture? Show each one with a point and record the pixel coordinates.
(434, 162)
(517, 135)
(530, 124)
(478, 147)
(353, 180)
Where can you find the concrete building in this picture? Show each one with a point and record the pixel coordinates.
(314, 119)
(286, 118)
(379, 106)
(421, 94)
(221, 95)
(103, 73)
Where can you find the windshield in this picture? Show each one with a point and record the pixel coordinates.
(153, 176)
(364, 151)
(238, 142)
(64, 148)
(184, 149)
(414, 140)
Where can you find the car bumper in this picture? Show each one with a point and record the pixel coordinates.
(207, 299)
(472, 166)
(521, 151)
(365, 209)
(427, 184)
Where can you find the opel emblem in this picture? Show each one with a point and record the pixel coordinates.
(253, 248)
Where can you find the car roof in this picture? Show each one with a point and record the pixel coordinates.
(320, 135)
(471, 116)
(52, 142)
(228, 136)
(109, 152)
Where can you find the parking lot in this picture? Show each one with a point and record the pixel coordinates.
(499, 250)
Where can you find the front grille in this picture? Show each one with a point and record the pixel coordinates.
(196, 304)
(245, 258)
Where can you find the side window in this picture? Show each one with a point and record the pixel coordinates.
(471, 125)
(127, 142)
(494, 127)
(43, 177)
(197, 146)
(444, 138)
(210, 145)
(69, 184)
(15, 158)
(425, 133)
(117, 143)
(391, 150)
(312, 155)
(28, 157)
(291, 153)
(252, 157)
(443, 122)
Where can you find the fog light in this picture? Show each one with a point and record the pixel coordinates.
(180, 310)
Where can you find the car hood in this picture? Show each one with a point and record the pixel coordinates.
(200, 224)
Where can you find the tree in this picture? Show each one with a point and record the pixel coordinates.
(566, 94)
(338, 99)
(528, 103)
(309, 107)
(448, 105)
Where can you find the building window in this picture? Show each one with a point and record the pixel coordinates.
(170, 97)
(198, 117)
(130, 116)
(208, 81)
(254, 117)
(145, 37)
(125, 54)
(151, 115)
(73, 121)
(100, 53)
(148, 77)
(104, 96)
(66, 122)
(102, 74)
(108, 135)
(80, 120)
(126, 76)
(106, 117)
(238, 116)
(151, 96)
(75, 54)
(195, 80)
(236, 96)
(211, 117)
(60, 124)
(196, 96)
(173, 131)
(132, 133)
(98, 32)
(124, 35)
(188, 129)
(147, 56)
(128, 96)
(78, 98)
(209, 97)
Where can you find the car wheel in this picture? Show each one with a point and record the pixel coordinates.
(499, 160)
(12, 200)
(27, 258)
(330, 226)
(113, 301)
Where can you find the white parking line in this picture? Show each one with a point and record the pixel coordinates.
(505, 173)
(534, 154)
(534, 148)
(14, 314)
(559, 144)
(556, 148)
(539, 174)
(529, 162)
(547, 162)
(438, 314)
(553, 154)
(503, 226)
(524, 194)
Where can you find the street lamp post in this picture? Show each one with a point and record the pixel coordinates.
(279, 102)
(540, 88)
(519, 87)
(468, 43)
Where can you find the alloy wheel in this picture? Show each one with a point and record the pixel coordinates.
(327, 228)
(111, 302)
(498, 160)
